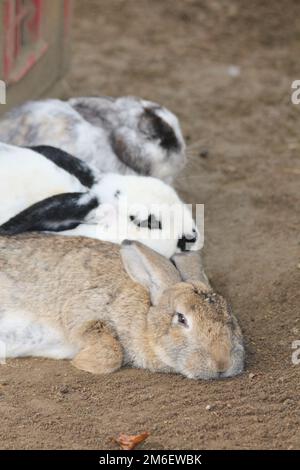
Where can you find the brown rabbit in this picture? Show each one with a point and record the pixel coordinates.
(104, 306)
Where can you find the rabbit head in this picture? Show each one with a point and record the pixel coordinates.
(144, 135)
(191, 329)
(148, 210)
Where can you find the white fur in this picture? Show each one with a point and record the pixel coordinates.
(58, 123)
(22, 336)
(139, 196)
(27, 177)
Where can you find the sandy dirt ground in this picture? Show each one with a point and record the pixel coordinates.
(181, 53)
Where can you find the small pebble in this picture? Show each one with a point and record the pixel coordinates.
(204, 153)
(293, 145)
(234, 71)
(208, 407)
(251, 375)
(230, 169)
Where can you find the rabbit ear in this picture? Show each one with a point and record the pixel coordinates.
(190, 267)
(145, 266)
(94, 109)
(129, 152)
(69, 163)
(56, 213)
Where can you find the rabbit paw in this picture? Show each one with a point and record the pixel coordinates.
(101, 354)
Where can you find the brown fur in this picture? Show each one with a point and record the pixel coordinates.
(80, 287)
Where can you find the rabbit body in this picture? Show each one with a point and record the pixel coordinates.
(45, 189)
(125, 135)
(26, 177)
(45, 305)
(104, 306)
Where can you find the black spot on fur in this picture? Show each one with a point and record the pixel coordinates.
(160, 129)
(69, 163)
(210, 297)
(186, 240)
(56, 213)
(152, 223)
(117, 194)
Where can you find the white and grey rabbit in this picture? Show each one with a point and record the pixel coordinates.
(126, 135)
(46, 189)
(103, 306)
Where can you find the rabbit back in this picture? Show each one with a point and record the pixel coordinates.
(60, 282)
(27, 177)
(127, 135)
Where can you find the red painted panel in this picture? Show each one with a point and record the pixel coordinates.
(67, 16)
(8, 40)
(23, 42)
(34, 24)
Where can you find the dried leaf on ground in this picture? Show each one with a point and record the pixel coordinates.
(127, 442)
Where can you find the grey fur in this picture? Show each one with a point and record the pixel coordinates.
(126, 135)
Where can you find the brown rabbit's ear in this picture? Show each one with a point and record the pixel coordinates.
(190, 267)
(145, 266)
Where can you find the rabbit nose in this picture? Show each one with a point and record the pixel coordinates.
(184, 243)
(221, 359)
(221, 366)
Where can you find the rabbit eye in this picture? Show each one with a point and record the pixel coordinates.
(181, 319)
(151, 223)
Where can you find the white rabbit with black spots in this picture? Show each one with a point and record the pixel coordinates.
(126, 135)
(46, 189)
